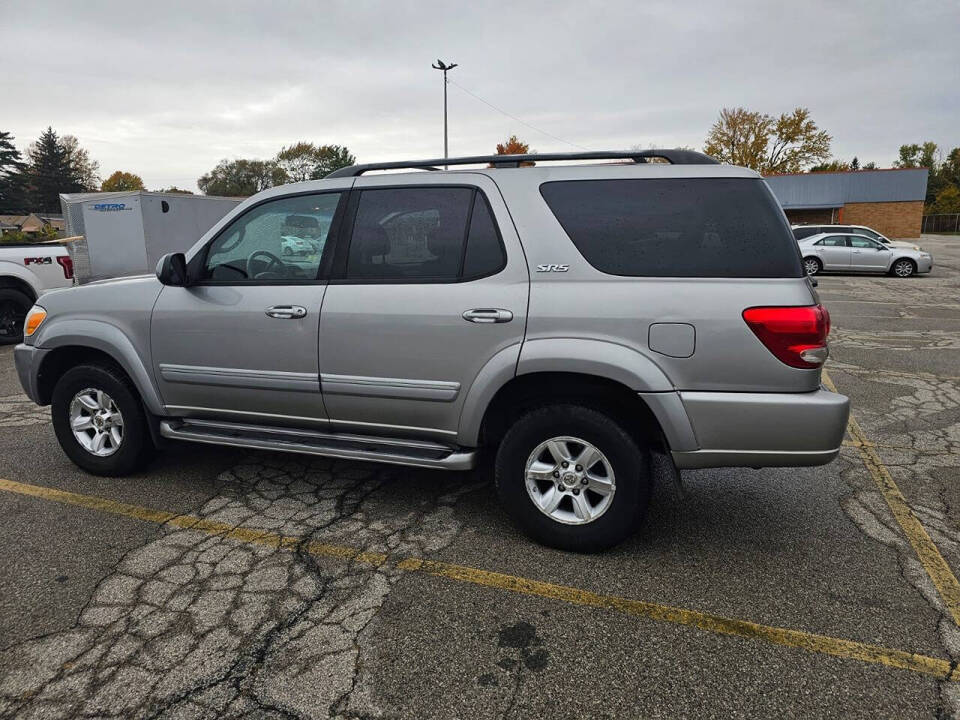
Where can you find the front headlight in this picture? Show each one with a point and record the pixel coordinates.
(917, 247)
(35, 318)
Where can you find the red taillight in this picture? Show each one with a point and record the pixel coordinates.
(797, 336)
(66, 262)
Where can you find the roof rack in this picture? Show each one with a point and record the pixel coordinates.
(674, 157)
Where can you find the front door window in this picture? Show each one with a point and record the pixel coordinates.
(280, 240)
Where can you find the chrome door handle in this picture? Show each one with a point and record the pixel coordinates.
(488, 315)
(286, 312)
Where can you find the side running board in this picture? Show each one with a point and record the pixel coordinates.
(396, 451)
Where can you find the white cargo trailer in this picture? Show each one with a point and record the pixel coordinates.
(126, 233)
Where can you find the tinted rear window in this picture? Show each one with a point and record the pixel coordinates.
(683, 227)
(805, 232)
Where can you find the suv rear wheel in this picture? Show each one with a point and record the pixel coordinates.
(14, 306)
(573, 478)
(99, 421)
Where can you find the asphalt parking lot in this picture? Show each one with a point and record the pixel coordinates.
(226, 584)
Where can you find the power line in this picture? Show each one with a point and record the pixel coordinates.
(514, 117)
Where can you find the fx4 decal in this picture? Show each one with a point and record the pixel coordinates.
(38, 261)
(552, 268)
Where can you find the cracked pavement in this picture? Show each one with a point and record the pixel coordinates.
(108, 616)
(193, 625)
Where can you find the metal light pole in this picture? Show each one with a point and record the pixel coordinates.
(440, 65)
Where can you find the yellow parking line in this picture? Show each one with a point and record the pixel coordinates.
(189, 522)
(905, 448)
(709, 622)
(931, 559)
(897, 373)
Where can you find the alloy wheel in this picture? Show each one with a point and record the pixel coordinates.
(96, 422)
(570, 480)
(903, 268)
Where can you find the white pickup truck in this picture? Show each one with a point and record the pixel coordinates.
(26, 272)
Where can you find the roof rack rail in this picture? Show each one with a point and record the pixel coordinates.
(674, 157)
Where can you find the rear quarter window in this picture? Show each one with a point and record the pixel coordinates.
(678, 227)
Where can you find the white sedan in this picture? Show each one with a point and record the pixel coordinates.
(293, 245)
(801, 232)
(848, 252)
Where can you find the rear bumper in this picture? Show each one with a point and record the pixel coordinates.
(724, 429)
(752, 458)
(27, 359)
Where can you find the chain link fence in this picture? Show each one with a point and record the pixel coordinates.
(941, 223)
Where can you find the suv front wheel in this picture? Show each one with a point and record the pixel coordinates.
(573, 478)
(99, 421)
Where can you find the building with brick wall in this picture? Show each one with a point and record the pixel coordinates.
(889, 201)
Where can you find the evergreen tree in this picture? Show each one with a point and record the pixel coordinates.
(58, 165)
(12, 180)
(50, 172)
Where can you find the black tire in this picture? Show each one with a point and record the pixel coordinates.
(812, 265)
(630, 464)
(906, 264)
(135, 448)
(13, 311)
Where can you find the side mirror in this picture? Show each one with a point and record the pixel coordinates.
(172, 270)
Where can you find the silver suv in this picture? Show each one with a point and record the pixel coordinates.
(591, 325)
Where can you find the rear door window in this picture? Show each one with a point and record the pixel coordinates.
(833, 241)
(679, 227)
(434, 234)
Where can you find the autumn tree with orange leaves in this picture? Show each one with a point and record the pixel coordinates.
(513, 146)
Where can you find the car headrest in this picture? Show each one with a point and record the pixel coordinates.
(436, 243)
(375, 241)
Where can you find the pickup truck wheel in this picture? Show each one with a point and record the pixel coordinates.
(99, 421)
(572, 478)
(14, 306)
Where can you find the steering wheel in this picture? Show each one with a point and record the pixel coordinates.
(272, 261)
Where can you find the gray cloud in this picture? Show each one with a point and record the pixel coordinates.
(167, 89)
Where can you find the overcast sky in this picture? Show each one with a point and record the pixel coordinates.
(167, 89)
